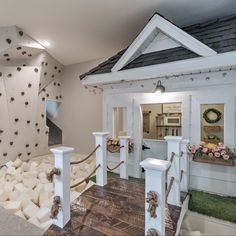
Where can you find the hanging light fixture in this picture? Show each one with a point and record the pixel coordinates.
(159, 88)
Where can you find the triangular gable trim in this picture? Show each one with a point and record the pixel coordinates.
(169, 29)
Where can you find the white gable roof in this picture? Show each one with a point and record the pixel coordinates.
(155, 26)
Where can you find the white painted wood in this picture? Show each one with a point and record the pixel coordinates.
(169, 29)
(155, 170)
(161, 42)
(210, 225)
(101, 157)
(166, 69)
(62, 183)
(173, 146)
(124, 154)
(184, 166)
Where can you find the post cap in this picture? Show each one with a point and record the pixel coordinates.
(155, 164)
(62, 150)
(100, 133)
(173, 138)
(124, 137)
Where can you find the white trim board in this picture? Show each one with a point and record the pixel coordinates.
(169, 29)
(188, 66)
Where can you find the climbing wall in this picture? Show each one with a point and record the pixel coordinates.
(29, 77)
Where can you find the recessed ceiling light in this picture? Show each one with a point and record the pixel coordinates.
(46, 43)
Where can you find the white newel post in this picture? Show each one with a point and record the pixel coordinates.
(155, 178)
(124, 153)
(101, 157)
(174, 146)
(62, 183)
(184, 164)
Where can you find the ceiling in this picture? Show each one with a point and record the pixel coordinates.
(83, 30)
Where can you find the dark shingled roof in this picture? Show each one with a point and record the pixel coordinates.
(219, 34)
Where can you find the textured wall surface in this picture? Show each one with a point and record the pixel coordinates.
(29, 77)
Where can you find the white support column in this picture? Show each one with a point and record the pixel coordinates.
(184, 166)
(101, 157)
(62, 183)
(124, 153)
(155, 178)
(174, 145)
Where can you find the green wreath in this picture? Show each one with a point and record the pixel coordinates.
(207, 119)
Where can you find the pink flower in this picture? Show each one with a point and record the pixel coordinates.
(217, 154)
(193, 151)
(202, 143)
(220, 144)
(191, 147)
(216, 149)
(205, 150)
(226, 157)
(223, 153)
(210, 154)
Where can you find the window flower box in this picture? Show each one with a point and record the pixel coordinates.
(212, 153)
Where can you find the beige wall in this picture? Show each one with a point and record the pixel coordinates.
(80, 113)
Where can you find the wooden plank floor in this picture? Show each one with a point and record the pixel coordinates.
(115, 209)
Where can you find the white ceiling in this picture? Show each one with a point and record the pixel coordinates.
(83, 30)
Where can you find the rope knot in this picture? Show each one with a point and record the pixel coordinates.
(152, 199)
(54, 171)
(55, 207)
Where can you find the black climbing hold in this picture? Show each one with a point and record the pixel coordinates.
(55, 67)
(43, 99)
(47, 95)
(16, 119)
(8, 59)
(36, 124)
(18, 48)
(45, 73)
(36, 145)
(6, 55)
(26, 103)
(39, 84)
(46, 132)
(22, 93)
(0, 94)
(29, 55)
(29, 85)
(42, 63)
(0, 74)
(12, 99)
(28, 121)
(9, 75)
(53, 76)
(16, 132)
(55, 83)
(56, 97)
(23, 53)
(36, 70)
(28, 153)
(8, 41)
(38, 130)
(44, 90)
(42, 115)
(21, 33)
(26, 145)
(60, 96)
(5, 154)
(59, 71)
(18, 69)
(19, 154)
(24, 65)
(46, 64)
(11, 143)
(58, 84)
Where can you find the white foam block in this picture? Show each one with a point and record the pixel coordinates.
(9, 163)
(48, 187)
(3, 196)
(33, 220)
(21, 188)
(74, 195)
(13, 196)
(44, 196)
(43, 214)
(24, 199)
(34, 196)
(20, 214)
(30, 210)
(29, 183)
(25, 166)
(13, 206)
(17, 163)
(46, 224)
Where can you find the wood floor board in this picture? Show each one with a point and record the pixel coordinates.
(115, 209)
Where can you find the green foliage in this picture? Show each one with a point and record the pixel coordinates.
(213, 205)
